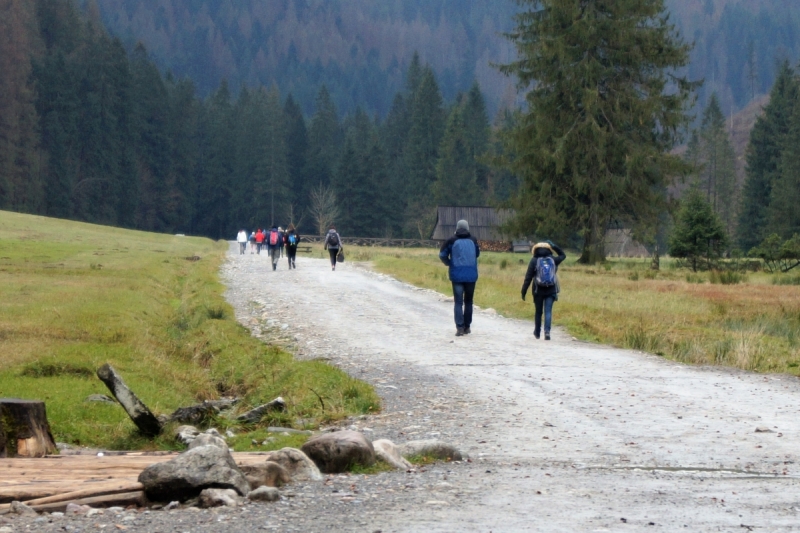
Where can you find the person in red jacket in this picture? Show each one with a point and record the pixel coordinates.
(259, 240)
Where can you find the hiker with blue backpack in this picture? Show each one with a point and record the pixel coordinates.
(291, 239)
(460, 253)
(543, 273)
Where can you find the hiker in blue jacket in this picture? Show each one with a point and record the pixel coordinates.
(460, 252)
(542, 273)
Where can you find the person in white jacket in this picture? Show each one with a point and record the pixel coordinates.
(241, 238)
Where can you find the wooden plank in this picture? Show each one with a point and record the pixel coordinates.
(123, 499)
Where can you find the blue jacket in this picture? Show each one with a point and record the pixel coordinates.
(461, 253)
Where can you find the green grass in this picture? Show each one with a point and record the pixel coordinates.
(718, 318)
(76, 296)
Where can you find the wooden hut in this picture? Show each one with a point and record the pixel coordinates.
(484, 222)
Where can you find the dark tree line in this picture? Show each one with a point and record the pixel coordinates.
(91, 132)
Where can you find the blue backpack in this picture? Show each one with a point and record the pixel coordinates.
(545, 272)
(292, 239)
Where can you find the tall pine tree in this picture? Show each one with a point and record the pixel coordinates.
(604, 109)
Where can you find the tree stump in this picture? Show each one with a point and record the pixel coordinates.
(24, 430)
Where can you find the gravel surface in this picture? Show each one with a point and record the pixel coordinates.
(561, 435)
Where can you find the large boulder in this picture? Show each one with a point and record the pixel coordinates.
(266, 474)
(296, 463)
(339, 451)
(388, 452)
(188, 474)
(433, 448)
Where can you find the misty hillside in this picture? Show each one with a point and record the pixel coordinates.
(361, 48)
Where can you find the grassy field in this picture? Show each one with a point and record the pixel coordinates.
(75, 296)
(753, 325)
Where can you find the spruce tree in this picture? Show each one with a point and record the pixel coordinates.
(783, 212)
(699, 235)
(477, 133)
(455, 170)
(767, 140)
(604, 109)
(296, 154)
(323, 140)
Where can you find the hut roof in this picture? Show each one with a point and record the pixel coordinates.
(483, 222)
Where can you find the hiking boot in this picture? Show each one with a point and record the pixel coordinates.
(547, 336)
(536, 335)
(467, 331)
(459, 332)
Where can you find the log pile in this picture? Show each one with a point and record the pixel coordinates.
(495, 246)
(51, 483)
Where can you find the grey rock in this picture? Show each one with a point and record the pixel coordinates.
(268, 474)
(194, 414)
(206, 439)
(296, 463)
(431, 448)
(93, 512)
(213, 431)
(388, 452)
(22, 509)
(254, 415)
(219, 498)
(763, 429)
(337, 452)
(99, 398)
(264, 494)
(186, 434)
(76, 510)
(172, 505)
(189, 473)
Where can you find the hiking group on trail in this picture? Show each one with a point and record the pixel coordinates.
(273, 241)
(460, 253)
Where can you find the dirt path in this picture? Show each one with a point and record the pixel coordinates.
(564, 436)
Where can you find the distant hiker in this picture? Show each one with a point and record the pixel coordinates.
(460, 253)
(333, 243)
(274, 246)
(281, 236)
(252, 242)
(259, 240)
(241, 238)
(291, 239)
(542, 272)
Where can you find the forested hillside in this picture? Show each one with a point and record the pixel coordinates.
(360, 49)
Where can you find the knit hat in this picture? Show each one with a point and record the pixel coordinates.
(462, 224)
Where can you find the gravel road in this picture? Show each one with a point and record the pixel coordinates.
(562, 435)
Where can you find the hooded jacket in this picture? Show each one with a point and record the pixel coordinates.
(542, 250)
(328, 245)
(460, 252)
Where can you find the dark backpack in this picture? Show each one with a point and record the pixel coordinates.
(273, 238)
(333, 240)
(546, 272)
(292, 240)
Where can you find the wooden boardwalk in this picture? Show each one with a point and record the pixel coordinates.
(51, 482)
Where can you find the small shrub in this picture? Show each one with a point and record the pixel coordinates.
(694, 278)
(634, 276)
(216, 313)
(504, 264)
(650, 274)
(639, 339)
(725, 277)
(785, 280)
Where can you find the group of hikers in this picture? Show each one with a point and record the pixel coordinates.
(278, 242)
(460, 253)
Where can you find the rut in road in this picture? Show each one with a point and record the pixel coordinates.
(584, 434)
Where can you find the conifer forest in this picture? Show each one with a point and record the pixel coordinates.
(211, 116)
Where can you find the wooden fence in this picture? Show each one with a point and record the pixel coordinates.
(367, 241)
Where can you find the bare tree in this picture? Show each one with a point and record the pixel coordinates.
(295, 215)
(324, 208)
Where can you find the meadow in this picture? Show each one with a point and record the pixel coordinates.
(750, 322)
(76, 296)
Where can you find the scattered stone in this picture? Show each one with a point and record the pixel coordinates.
(93, 512)
(337, 452)
(186, 434)
(6, 529)
(76, 510)
(490, 311)
(296, 463)
(213, 431)
(172, 505)
(268, 474)
(219, 498)
(194, 414)
(264, 494)
(189, 473)
(431, 448)
(22, 509)
(254, 415)
(230, 434)
(388, 452)
(207, 439)
(99, 398)
(763, 429)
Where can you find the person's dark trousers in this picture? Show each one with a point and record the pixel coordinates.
(242, 247)
(258, 248)
(543, 305)
(291, 253)
(462, 296)
(333, 252)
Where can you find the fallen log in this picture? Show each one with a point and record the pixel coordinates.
(144, 419)
(122, 499)
(107, 490)
(24, 430)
